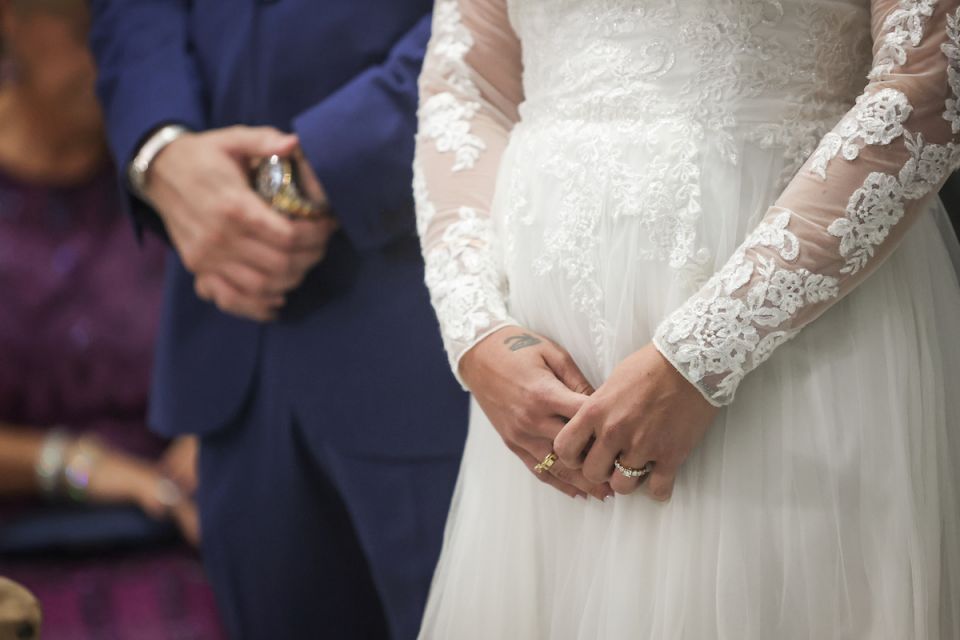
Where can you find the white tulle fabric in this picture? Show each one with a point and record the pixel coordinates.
(715, 176)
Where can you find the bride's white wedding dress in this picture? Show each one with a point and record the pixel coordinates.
(715, 176)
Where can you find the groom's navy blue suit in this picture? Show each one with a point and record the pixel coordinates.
(330, 437)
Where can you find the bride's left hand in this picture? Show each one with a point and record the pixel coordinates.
(645, 412)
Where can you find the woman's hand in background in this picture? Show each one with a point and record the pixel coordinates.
(179, 463)
(118, 478)
(645, 412)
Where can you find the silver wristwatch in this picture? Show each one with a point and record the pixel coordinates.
(158, 140)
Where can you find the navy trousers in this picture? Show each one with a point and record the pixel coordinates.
(302, 541)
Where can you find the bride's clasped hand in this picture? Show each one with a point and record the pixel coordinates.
(527, 385)
(644, 413)
(539, 402)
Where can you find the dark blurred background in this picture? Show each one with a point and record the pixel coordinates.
(96, 513)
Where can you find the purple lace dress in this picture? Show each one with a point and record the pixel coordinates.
(78, 313)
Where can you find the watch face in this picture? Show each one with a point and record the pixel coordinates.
(271, 176)
(276, 182)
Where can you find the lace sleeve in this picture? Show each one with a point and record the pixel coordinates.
(469, 91)
(843, 214)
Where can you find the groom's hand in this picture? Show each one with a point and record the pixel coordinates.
(244, 255)
(528, 387)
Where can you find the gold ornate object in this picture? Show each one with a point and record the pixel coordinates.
(20, 613)
(546, 463)
(276, 181)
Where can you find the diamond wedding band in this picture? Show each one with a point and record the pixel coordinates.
(630, 472)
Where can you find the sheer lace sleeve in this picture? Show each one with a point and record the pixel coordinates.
(843, 214)
(469, 91)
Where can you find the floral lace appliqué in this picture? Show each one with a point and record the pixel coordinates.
(904, 25)
(724, 335)
(951, 49)
(876, 120)
(466, 289)
(445, 117)
(878, 205)
(467, 298)
(426, 211)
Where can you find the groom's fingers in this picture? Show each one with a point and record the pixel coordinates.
(314, 235)
(227, 298)
(254, 142)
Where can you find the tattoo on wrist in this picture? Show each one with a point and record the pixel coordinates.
(521, 341)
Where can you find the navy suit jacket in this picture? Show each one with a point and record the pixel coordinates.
(357, 344)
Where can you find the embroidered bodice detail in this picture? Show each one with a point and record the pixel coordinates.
(841, 216)
(682, 84)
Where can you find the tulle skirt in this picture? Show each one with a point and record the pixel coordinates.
(823, 503)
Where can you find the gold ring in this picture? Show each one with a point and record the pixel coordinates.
(546, 463)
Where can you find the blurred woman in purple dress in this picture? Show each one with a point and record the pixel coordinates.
(94, 510)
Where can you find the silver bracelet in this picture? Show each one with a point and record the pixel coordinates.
(52, 461)
(148, 151)
(84, 457)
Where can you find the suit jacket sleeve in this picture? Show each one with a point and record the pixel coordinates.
(360, 140)
(147, 78)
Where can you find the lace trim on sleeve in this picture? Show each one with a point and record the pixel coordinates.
(719, 337)
(465, 287)
(878, 119)
(445, 117)
(467, 294)
(951, 49)
(903, 25)
(462, 129)
(757, 300)
(879, 204)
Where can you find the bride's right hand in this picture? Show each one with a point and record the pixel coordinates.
(529, 387)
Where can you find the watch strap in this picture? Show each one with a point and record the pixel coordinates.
(148, 151)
